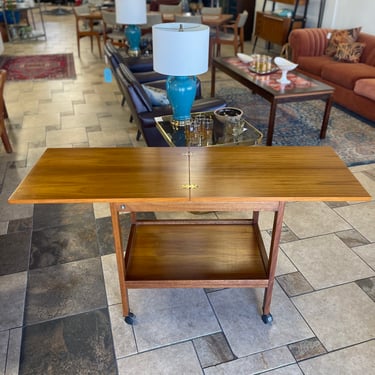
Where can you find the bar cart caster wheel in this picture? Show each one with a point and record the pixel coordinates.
(130, 319)
(267, 318)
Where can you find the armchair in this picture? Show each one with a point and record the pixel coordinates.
(144, 113)
(141, 68)
(233, 34)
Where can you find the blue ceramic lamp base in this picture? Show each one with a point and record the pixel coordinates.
(181, 92)
(133, 36)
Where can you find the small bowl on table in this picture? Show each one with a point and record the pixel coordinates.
(246, 59)
(285, 66)
(229, 115)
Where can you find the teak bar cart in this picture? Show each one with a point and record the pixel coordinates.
(192, 253)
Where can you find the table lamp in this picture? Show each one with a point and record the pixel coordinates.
(180, 51)
(132, 13)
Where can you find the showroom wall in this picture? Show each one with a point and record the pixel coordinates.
(338, 13)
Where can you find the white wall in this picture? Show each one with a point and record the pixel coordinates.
(348, 13)
(338, 13)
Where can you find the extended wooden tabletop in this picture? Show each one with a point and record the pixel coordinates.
(228, 174)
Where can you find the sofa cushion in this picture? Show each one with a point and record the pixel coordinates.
(346, 75)
(314, 64)
(341, 36)
(349, 52)
(366, 88)
(157, 96)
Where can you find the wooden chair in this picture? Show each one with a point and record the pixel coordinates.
(153, 18)
(88, 25)
(3, 113)
(113, 31)
(188, 19)
(232, 34)
(168, 12)
(214, 11)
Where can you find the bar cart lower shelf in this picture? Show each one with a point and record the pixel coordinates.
(198, 253)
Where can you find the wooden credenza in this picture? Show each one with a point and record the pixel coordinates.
(276, 29)
(198, 253)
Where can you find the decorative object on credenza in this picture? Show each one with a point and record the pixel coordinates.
(132, 13)
(285, 66)
(180, 50)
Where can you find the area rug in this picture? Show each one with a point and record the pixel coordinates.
(33, 67)
(351, 136)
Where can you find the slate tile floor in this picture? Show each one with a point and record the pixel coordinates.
(60, 309)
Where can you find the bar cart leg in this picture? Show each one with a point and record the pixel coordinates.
(120, 259)
(272, 262)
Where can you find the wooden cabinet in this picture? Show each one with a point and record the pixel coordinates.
(275, 28)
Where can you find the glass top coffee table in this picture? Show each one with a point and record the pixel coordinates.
(301, 88)
(219, 134)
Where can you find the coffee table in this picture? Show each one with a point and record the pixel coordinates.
(301, 88)
(219, 136)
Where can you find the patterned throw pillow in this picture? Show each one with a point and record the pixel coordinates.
(157, 96)
(341, 36)
(349, 52)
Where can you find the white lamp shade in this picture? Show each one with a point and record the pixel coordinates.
(131, 12)
(180, 53)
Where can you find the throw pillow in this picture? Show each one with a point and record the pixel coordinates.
(341, 36)
(349, 52)
(157, 96)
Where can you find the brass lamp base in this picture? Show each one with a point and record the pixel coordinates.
(134, 52)
(178, 124)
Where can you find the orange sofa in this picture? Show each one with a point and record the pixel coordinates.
(354, 83)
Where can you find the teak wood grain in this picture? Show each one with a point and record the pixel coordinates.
(192, 253)
(163, 176)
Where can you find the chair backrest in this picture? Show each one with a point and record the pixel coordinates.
(108, 49)
(211, 10)
(109, 18)
(188, 19)
(170, 9)
(113, 55)
(153, 19)
(96, 3)
(81, 10)
(242, 18)
(135, 95)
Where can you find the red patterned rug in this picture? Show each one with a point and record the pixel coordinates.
(29, 67)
